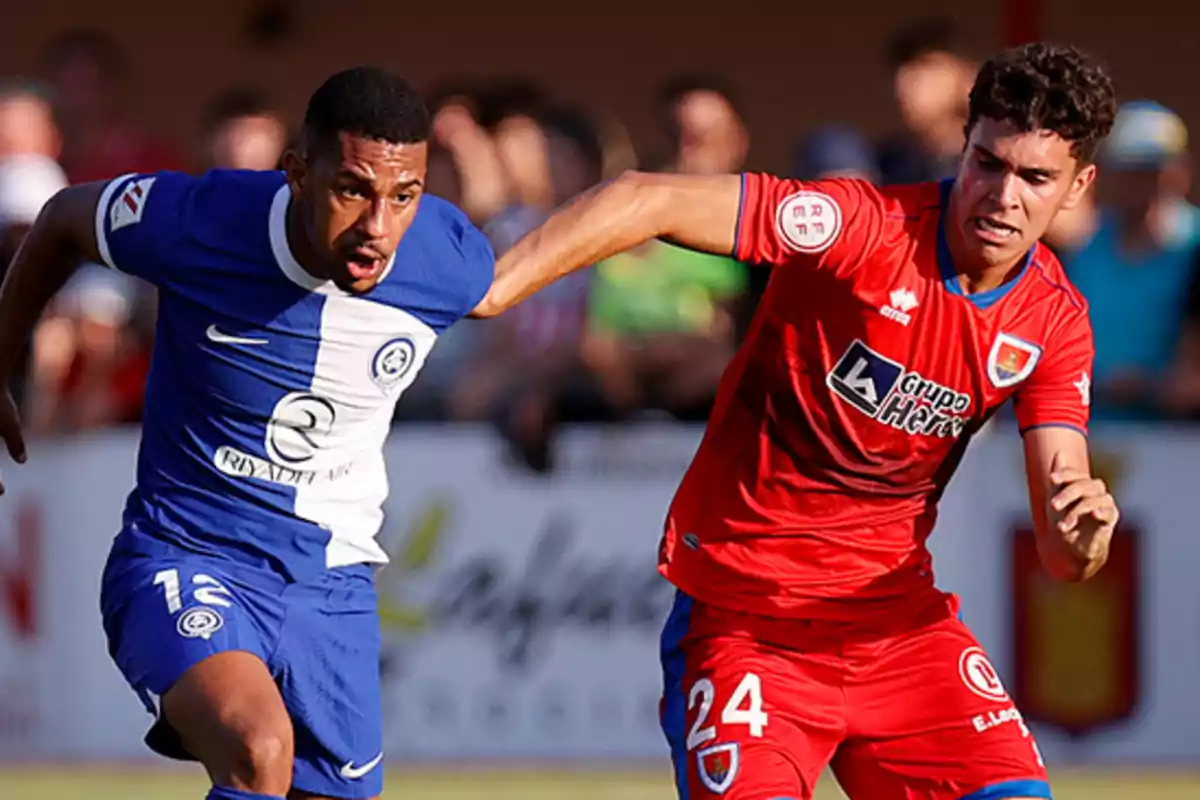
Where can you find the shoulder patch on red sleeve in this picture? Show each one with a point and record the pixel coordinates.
(808, 221)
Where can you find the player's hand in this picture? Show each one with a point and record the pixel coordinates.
(1088, 514)
(10, 429)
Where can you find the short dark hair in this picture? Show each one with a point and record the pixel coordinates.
(672, 92)
(21, 88)
(576, 127)
(1044, 86)
(923, 38)
(453, 91)
(368, 102)
(510, 97)
(235, 103)
(92, 44)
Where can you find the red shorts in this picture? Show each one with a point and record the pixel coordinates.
(755, 709)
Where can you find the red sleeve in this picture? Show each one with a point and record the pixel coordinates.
(1059, 391)
(828, 224)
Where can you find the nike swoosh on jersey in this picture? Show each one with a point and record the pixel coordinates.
(351, 772)
(214, 334)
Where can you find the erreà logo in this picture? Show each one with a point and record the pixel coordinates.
(907, 401)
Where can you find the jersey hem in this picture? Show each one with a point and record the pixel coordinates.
(865, 610)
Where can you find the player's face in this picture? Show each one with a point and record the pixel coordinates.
(360, 200)
(1010, 185)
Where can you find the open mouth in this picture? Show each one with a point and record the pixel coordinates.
(993, 230)
(364, 264)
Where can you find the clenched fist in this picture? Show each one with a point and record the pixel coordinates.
(1087, 514)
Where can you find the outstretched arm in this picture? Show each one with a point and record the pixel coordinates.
(699, 212)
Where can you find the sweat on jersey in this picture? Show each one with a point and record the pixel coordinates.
(865, 372)
(270, 391)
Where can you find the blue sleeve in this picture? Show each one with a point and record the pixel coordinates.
(471, 252)
(140, 220)
(480, 265)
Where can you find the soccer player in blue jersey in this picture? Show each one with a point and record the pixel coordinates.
(295, 307)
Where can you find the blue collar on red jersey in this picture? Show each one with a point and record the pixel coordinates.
(950, 280)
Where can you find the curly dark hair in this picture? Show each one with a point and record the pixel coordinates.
(1043, 86)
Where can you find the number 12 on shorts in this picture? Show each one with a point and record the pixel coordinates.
(744, 707)
(210, 593)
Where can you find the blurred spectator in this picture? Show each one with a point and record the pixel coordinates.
(27, 181)
(1072, 228)
(526, 362)
(1183, 392)
(663, 320)
(931, 79)
(834, 151)
(464, 166)
(27, 123)
(704, 126)
(510, 114)
(1135, 268)
(86, 70)
(241, 130)
(89, 362)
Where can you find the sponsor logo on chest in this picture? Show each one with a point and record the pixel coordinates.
(904, 399)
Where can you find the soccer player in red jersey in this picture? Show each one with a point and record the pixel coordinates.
(807, 629)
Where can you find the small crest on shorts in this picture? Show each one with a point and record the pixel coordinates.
(980, 676)
(718, 766)
(200, 622)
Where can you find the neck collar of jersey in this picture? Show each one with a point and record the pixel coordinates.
(950, 274)
(287, 261)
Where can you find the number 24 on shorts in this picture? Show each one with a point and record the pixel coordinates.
(744, 707)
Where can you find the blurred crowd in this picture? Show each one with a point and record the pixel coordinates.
(647, 333)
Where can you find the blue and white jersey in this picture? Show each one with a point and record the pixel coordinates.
(270, 391)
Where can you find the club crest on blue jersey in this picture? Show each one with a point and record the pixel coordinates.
(1011, 360)
(718, 766)
(886, 391)
(393, 361)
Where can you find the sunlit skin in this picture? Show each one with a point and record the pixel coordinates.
(351, 204)
(1010, 184)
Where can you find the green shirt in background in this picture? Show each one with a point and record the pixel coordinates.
(661, 288)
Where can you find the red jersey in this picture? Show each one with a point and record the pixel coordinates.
(843, 416)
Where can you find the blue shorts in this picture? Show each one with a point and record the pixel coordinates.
(166, 609)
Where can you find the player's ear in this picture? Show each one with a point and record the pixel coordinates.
(295, 168)
(1079, 186)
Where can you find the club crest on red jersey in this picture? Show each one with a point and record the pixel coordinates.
(1011, 360)
(718, 766)
(808, 222)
